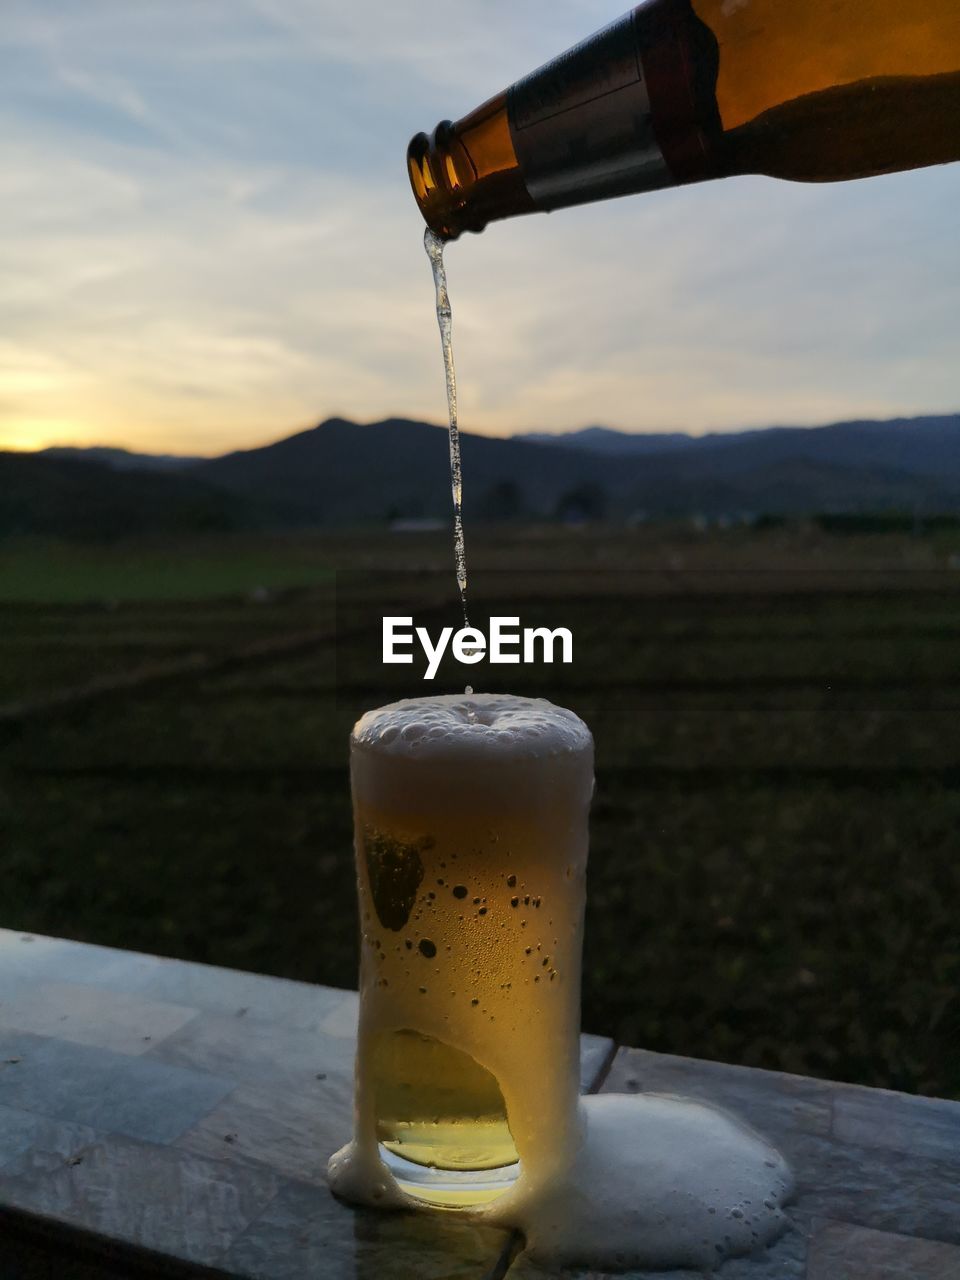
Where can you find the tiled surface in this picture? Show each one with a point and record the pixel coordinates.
(596, 1053)
(246, 1049)
(87, 1015)
(842, 1252)
(896, 1122)
(161, 1199)
(189, 1111)
(109, 1092)
(26, 960)
(769, 1100)
(360, 1245)
(294, 1131)
(27, 1139)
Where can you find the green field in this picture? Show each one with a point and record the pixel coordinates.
(774, 876)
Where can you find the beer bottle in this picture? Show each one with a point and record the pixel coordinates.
(681, 91)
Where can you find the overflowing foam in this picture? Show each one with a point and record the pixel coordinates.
(657, 1183)
(479, 726)
(473, 757)
(471, 820)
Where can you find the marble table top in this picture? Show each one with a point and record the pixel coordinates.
(160, 1117)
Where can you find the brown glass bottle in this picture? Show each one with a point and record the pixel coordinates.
(680, 91)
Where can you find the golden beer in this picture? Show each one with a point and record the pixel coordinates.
(470, 819)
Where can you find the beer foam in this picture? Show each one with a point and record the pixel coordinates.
(464, 727)
(657, 1183)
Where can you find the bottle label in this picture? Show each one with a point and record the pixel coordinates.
(581, 125)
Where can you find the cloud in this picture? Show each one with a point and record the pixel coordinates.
(209, 241)
(735, 303)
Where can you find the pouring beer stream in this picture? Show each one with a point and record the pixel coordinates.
(434, 247)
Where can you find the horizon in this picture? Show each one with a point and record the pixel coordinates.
(513, 435)
(240, 245)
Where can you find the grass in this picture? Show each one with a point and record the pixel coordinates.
(773, 875)
(63, 573)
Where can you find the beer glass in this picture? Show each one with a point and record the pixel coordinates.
(470, 820)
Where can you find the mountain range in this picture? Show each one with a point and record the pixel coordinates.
(342, 472)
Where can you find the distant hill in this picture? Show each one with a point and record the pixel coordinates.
(906, 463)
(70, 498)
(344, 473)
(606, 440)
(121, 459)
(341, 473)
(921, 445)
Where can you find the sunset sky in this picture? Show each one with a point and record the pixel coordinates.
(208, 242)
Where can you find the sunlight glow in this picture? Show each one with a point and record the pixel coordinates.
(210, 242)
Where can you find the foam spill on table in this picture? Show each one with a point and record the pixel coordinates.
(658, 1182)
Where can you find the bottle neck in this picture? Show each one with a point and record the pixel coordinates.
(467, 174)
(617, 114)
(630, 109)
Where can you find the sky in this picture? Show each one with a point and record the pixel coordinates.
(209, 242)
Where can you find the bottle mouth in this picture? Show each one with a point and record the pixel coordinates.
(463, 180)
(439, 183)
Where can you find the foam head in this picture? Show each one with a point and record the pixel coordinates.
(458, 749)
